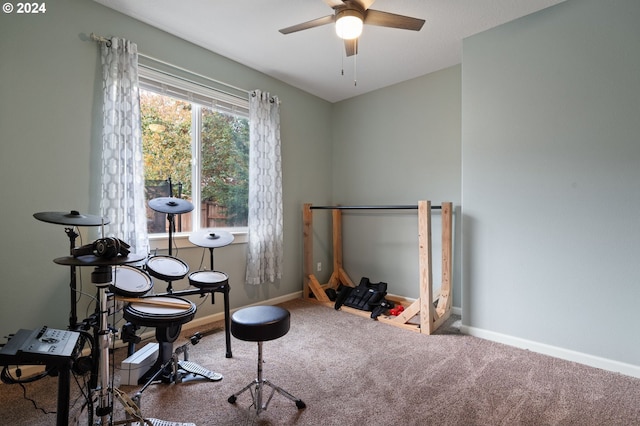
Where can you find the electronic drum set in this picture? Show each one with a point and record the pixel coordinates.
(118, 277)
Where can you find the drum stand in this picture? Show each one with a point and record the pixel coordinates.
(168, 366)
(102, 278)
(224, 289)
(211, 240)
(71, 219)
(166, 336)
(73, 317)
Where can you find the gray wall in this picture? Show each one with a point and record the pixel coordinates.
(551, 181)
(396, 146)
(547, 111)
(50, 108)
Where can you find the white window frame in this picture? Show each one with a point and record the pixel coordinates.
(199, 95)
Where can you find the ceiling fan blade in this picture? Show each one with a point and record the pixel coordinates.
(334, 3)
(391, 20)
(309, 24)
(351, 47)
(366, 4)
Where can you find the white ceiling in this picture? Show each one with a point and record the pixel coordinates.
(312, 60)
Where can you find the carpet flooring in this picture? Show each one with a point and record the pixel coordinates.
(351, 370)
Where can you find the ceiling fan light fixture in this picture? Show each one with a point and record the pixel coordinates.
(349, 24)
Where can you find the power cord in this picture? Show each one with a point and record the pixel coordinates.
(9, 379)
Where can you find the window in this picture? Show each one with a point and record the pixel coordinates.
(196, 147)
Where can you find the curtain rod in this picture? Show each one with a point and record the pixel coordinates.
(403, 207)
(102, 39)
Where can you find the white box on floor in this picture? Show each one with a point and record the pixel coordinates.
(139, 363)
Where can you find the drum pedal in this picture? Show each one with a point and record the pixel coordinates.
(156, 422)
(192, 367)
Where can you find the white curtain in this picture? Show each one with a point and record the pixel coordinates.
(123, 200)
(265, 249)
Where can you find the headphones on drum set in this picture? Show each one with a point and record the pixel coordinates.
(104, 247)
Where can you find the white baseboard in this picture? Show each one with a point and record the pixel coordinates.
(200, 322)
(554, 351)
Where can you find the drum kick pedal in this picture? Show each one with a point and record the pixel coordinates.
(156, 422)
(185, 367)
(193, 368)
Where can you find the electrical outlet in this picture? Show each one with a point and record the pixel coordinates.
(319, 266)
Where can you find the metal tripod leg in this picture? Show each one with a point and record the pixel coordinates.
(299, 402)
(259, 383)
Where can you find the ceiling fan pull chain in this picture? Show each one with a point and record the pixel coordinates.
(355, 69)
(341, 60)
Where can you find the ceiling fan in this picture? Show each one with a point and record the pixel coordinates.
(349, 17)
